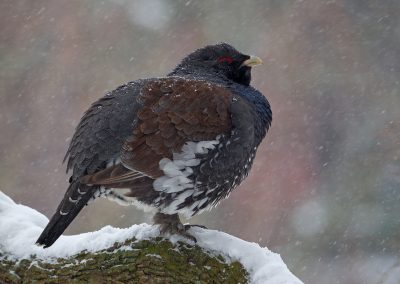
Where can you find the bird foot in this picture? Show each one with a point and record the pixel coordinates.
(188, 226)
(170, 224)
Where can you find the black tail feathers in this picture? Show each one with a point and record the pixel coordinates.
(76, 197)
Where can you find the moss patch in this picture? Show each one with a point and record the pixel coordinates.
(146, 261)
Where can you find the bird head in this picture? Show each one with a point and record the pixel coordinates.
(221, 60)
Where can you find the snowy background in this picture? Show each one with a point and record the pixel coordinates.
(324, 191)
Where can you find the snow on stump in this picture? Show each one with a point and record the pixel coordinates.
(132, 255)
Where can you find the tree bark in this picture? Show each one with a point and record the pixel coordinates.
(146, 261)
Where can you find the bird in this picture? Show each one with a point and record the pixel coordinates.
(177, 145)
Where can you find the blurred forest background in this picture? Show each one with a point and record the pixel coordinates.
(324, 189)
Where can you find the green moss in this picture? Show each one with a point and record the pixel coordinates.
(147, 261)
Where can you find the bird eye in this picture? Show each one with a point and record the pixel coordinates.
(224, 59)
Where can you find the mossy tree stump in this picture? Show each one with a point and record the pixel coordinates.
(145, 261)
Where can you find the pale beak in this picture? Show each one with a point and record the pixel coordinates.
(252, 61)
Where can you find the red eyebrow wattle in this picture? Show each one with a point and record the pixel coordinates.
(227, 59)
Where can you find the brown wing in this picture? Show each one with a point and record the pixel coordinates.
(174, 111)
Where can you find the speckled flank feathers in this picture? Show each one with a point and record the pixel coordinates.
(178, 144)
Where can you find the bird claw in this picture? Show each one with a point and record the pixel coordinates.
(188, 226)
(170, 224)
(189, 236)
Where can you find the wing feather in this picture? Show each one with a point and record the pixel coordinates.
(173, 111)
